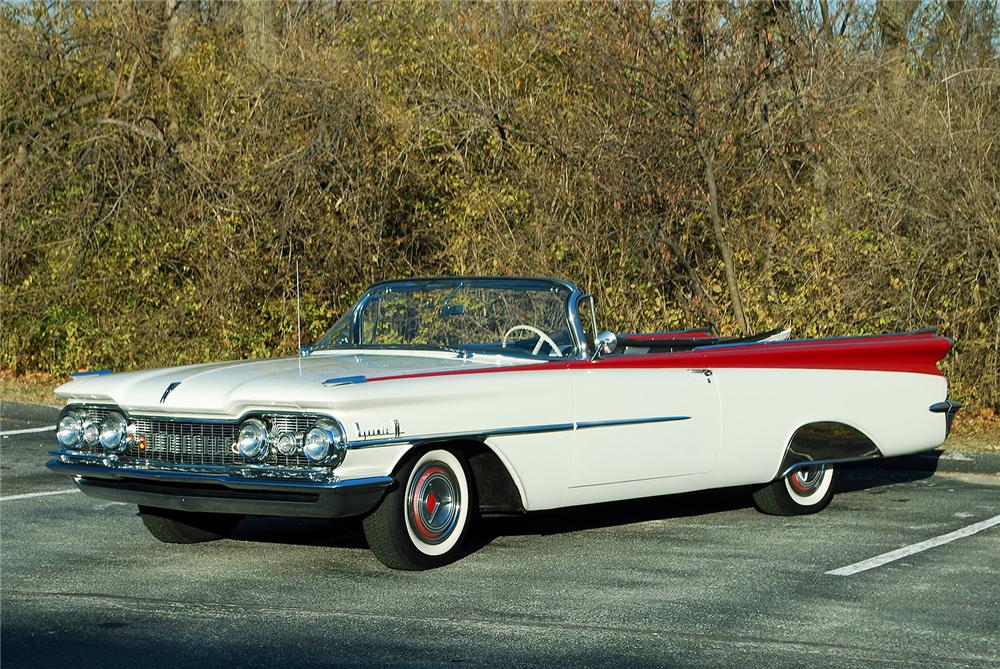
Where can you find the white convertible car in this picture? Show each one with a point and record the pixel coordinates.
(433, 401)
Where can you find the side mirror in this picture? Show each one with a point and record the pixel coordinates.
(606, 343)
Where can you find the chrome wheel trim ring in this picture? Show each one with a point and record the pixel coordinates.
(810, 487)
(433, 502)
(806, 480)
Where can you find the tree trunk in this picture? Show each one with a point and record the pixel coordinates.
(257, 21)
(722, 241)
(173, 35)
(894, 17)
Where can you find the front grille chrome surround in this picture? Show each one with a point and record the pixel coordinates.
(167, 441)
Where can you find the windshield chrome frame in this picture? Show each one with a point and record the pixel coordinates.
(572, 304)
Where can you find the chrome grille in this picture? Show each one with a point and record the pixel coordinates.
(184, 443)
(191, 442)
(203, 443)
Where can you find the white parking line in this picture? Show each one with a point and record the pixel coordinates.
(29, 430)
(891, 556)
(11, 498)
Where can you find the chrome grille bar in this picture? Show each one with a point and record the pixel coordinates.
(202, 443)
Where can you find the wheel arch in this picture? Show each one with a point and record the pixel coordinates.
(828, 442)
(496, 488)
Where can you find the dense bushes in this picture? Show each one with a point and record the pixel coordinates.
(164, 165)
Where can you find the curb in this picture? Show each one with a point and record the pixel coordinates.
(25, 411)
(962, 462)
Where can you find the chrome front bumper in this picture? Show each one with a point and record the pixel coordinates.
(207, 491)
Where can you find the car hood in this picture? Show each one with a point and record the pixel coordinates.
(231, 388)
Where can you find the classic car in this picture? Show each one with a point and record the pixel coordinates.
(435, 401)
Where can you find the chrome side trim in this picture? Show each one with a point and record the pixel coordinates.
(629, 421)
(473, 434)
(508, 431)
(828, 461)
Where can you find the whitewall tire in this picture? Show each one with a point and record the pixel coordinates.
(422, 522)
(805, 490)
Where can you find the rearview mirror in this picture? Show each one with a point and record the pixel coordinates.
(451, 310)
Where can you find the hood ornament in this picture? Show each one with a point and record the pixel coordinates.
(169, 390)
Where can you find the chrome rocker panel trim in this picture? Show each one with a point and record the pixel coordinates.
(206, 491)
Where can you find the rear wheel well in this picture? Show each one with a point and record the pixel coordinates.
(495, 488)
(827, 441)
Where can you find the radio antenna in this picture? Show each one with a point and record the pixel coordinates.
(298, 313)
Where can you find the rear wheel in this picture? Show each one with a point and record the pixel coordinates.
(186, 527)
(423, 520)
(805, 490)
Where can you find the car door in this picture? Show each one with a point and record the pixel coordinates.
(641, 424)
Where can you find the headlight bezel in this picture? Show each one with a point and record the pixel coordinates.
(260, 448)
(61, 429)
(325, 443)
(113, 441)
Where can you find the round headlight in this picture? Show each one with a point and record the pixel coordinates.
(287, 443)
(112, 434)
(325, 443)
(252, 440)
(91, 431)
(70, 431)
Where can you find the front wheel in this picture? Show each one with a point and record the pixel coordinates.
(187, 527)
(424, 519)
(805, 490)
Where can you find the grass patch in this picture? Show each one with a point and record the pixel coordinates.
(975, 431)
(36, 388)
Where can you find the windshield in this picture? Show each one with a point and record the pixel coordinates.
(527, 317)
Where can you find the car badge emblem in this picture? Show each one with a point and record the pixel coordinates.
(169, 390)
(372, 433)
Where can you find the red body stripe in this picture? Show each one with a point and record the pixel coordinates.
(916, 353)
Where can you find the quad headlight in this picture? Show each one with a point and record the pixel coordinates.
(257, 440)
(325, 443)
(70, 431)
(252, 441)
(81, 428)
(112, 433)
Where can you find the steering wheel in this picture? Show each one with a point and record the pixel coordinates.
(542, 339)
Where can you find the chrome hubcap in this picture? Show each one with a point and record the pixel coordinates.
(804, 481)
(433, 502)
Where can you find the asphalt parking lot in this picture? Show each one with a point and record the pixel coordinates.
(700, 580)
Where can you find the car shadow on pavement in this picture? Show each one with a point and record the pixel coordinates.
(347, 533)
(302, 532)
(852, 478)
